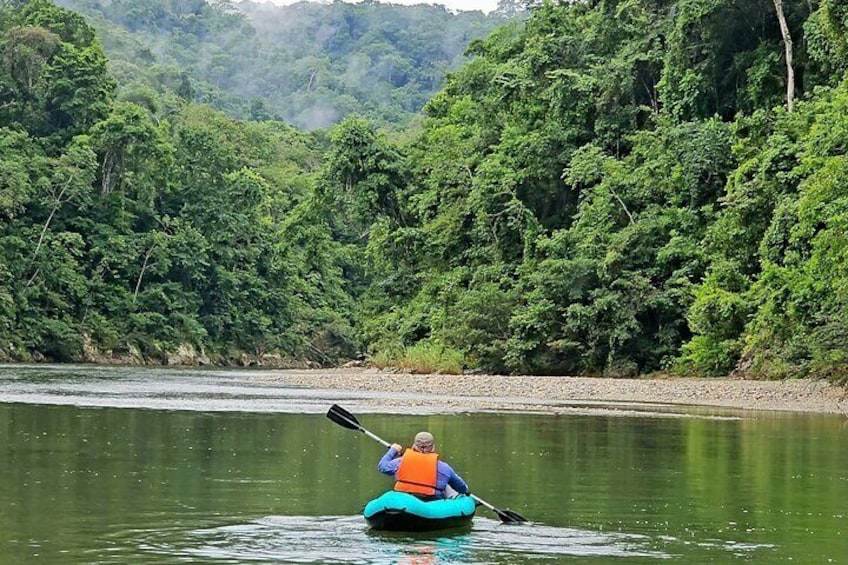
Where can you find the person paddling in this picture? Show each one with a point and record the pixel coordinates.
(419, 471)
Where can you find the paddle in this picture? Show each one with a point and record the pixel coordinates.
(347, 420)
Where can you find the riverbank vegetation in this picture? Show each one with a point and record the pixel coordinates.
(614, 187)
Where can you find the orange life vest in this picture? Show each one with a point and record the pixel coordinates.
(417, 473)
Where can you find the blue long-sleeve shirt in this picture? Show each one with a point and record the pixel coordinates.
(445, 475)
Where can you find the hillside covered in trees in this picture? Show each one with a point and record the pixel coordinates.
(309, 64)
(612, 187)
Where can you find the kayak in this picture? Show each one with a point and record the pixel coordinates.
(402, 512)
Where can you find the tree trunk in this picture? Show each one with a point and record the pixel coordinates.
(143, 269)
(56, 205)
(787, 42)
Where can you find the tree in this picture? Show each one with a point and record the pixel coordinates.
(58, 72)
(26, 51)
(72, 176)
(127, 134)
(787, 41)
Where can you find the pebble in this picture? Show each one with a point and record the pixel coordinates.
(484, 391)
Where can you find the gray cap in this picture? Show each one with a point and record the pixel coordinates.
(423, 442)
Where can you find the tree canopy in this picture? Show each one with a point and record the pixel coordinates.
(612, 187)
(309, 64)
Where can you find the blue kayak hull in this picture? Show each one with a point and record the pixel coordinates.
(401, 512)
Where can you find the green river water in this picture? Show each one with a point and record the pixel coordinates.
(146, 466)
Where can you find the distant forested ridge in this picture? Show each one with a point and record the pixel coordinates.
(611, 187)
(309, 64)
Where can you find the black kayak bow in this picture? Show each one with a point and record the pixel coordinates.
(347, 420)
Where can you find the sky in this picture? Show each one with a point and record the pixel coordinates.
(483, 5)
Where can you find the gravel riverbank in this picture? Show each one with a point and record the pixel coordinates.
(552, 394)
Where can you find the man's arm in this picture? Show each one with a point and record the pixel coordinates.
(456, 482)
(390, 462)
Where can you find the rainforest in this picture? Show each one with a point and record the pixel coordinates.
(598, 187)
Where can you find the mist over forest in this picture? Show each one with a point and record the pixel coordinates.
(309, 64)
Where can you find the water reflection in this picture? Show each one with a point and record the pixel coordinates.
(117, 485)
(346, 539)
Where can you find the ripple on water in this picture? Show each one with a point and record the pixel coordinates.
(346, 539)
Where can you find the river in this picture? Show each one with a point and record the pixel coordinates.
(118, 465)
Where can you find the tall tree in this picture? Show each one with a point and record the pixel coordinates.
(787, 42)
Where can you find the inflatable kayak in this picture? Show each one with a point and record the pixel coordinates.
(401, 512)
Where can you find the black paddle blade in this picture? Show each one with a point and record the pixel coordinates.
(510, 517)
(343, 418)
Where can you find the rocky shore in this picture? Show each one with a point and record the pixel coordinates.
(553, 394)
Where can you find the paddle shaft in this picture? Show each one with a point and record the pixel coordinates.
(375, 437)
(483, 502)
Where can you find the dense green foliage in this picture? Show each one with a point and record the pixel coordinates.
(613, 189)
(128, 233)
(610, 187)
(309, 64)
